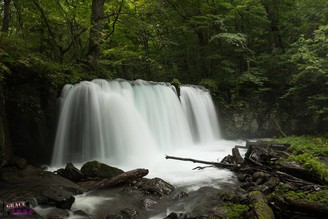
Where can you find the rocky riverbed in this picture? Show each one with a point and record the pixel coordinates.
(268, 186)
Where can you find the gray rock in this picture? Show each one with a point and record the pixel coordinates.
(96, 169)
(114, 216)
(70, 172)
(155, 186)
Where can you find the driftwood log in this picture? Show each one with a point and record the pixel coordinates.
(123, 178)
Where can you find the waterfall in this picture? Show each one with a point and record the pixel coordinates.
(121, 120)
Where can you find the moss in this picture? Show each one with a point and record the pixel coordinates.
(314, 145)
(236, 211)
(176, 83)
(261, 208)
(289, 193)
(306, 150)
(97, 169)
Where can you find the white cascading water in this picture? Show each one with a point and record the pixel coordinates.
(123, 121)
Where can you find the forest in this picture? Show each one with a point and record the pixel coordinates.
(264, 61)
(256, 56)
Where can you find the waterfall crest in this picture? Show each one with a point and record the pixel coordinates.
(121, 120)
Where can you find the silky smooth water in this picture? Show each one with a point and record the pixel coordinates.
(133, 125)
(122, 122)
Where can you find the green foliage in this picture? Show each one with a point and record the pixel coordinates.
(309, 84)
(175, 82)
(312, 164)
(236, 211)
(306, 149)
(316, 146)
(249, 53)
(210, 84)
(320, 196)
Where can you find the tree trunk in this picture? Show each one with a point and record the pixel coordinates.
(6, 16)
(97, 13)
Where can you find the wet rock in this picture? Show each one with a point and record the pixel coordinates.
(155, 186)
(55, 213)
(262, 188)
(129, 213)
(36, 184)
(172, 216)
(59, 197)
(70, 172)
(217, 212)
(148, 203)
(96, 169)
(272, 182)
(114, 216)
(244, 177)
(248, 186)
(204, 198)
(260, 177)
(81, 213)
(180, 195)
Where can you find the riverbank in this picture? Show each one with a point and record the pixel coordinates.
(274, 185)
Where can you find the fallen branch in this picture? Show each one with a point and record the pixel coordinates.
(201, 168)
(216, 164)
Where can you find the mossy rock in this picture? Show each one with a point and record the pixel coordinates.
(260, 205)
(236, 211)
(96, 169)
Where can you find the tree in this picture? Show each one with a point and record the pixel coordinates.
(6, 16)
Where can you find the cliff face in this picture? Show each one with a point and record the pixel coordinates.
(30, 105)
(267, 122)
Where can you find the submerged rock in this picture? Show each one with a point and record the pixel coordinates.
(94, 169)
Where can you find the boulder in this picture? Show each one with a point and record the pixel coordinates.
(70, 172)
(34, 183)
(94, 169)
(155, 186)
(59, 197)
